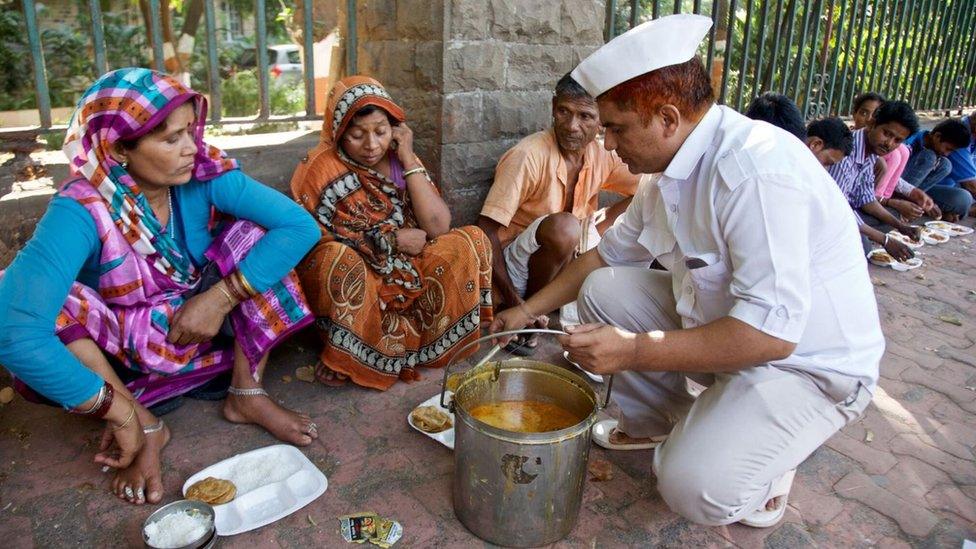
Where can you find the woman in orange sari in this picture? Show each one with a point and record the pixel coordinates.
(392, 286)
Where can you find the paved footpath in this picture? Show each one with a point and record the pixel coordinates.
(902, 476)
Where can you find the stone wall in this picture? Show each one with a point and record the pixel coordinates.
(502, 59)
(474, 76)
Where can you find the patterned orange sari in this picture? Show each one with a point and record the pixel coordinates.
(382, 314)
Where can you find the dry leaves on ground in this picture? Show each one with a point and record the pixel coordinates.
(600, 470)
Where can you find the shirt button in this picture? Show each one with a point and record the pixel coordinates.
(674, 208)
(781, 312)
(688, 290)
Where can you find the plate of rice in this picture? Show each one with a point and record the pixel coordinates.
(272, 483)
(953, 229)
(881, 258)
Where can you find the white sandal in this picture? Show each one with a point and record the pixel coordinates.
(762, 518)
(601, 436)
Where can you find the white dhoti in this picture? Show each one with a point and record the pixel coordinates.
(726, 448)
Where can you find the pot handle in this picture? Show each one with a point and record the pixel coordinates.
(493, 351)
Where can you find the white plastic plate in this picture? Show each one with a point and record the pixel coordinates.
(281, 491)
(912, 263)
(934, 236)
(952, 229)
(444, 437)
(595, 377)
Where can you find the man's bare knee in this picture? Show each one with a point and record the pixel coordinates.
(559, 232)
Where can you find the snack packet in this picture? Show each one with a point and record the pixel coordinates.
(358, 527)
(388, 532)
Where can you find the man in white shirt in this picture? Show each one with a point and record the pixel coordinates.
(766, 300)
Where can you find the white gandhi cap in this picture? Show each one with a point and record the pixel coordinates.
(650, 46)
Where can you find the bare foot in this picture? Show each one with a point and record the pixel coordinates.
(619, 437)
(144, 477)
(773, 503)
(284, 424)
(330, 377)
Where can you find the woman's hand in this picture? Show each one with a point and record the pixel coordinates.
(403, 136)
(411, 241)
(199, 319)
(120, 446)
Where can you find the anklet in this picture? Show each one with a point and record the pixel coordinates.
(155, 428)
(246, 392)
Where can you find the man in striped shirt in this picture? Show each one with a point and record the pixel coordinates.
(893, 122)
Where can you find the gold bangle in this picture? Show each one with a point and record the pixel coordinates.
(132, 414)
(230, 299)
(247, 285)
(408, 173)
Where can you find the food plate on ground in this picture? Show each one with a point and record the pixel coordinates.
(271, 483)
(906, 240)
(182, 523)
(595, 377)
(881, 258)
(934, 236)
(953, 229)
(428, 408)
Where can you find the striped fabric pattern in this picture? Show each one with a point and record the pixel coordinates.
(855, 173)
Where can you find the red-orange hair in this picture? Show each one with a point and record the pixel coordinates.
(686, 86)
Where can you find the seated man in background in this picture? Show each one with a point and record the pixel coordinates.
(929, 165)
(830, 140)
(888, 167)
(542, 207)
(893, 122)
(963, 161)
(780, 111)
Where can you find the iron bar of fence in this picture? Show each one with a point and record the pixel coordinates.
(824, 52)
(98, 37)
(890, 63)
(635, 13)
(958, 58)
(696, 8)
(851, 61)
(924, 55)
(744, 56)
(308, 49)
(727, 59)
(914, 7)
(656, 9)
(925, 91)
(838, 40)
(771, 76)
(677, 7)
(967, 48)
(886, 24)
(969, 79)
(156, 33)
(814, 66)
(213, 69)
(790, 27)
(938, 55)
(794, 86)
(41, 91)
(261, 28)
(842, 98)
(711, 39)
(940, 63)
(866, 60)
(948, 70)
(914, 53)
(352, 39)
(760, 45)
(611, 19)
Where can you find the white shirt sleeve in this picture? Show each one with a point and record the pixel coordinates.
(904, 187)
(766, 227)
(619, 245)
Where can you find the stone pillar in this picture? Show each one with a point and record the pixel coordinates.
(475, 76)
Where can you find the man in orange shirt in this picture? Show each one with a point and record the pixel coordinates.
(542, 207)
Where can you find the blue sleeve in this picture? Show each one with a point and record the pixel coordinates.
(963, 167)
(291, 230)
(32, 292)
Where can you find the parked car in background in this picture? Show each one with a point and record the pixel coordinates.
(284, 62)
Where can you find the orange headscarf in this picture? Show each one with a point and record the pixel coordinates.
(354, 204)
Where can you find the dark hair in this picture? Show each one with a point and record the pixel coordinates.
(778, 110)
(569, 88)
(952, 131)
(867, 96)
(685, 85)
(834, 133)
(899, 112)
(370, 109)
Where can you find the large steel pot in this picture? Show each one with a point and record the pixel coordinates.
(519, 489)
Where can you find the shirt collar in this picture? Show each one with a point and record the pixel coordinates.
(695, 145)
(861, 146)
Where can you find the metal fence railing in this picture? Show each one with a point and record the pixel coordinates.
(160, 50)
(822, 53)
